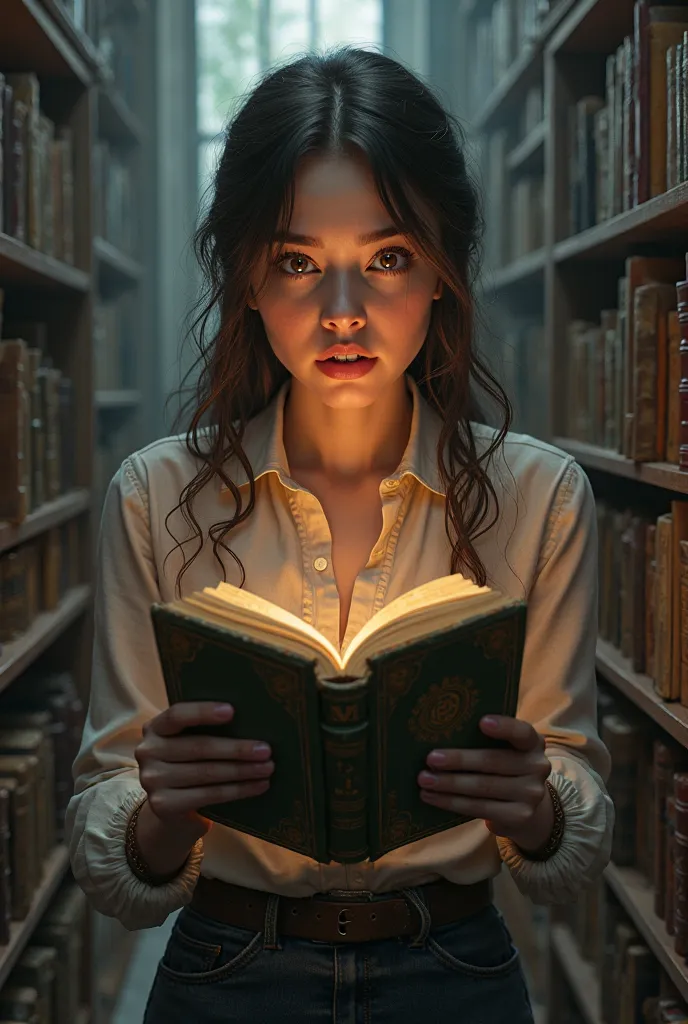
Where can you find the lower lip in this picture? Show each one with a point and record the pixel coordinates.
(346, 371)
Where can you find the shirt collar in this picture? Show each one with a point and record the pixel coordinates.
(263, 443)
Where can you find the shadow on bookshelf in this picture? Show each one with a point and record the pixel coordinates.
(117, 271)
(528, 269)
(52, 513)
(22, 265)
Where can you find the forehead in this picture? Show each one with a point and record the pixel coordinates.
(332, 188)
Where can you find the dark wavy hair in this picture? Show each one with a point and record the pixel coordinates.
(332, 103)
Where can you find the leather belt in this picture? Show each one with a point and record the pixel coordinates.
(338, 916)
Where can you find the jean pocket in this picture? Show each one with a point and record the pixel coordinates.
(479, 946)
(203, 951)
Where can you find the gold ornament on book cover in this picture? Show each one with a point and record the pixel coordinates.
(443, 710)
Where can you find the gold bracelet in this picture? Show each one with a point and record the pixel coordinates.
(557, 833)
(134, 858)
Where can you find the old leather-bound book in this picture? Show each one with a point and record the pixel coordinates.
(679, 531)
(38, 745)
(17, 774)
(681, 863)
(682, 304)
(664, 678)
(674, 381)
(669, 859)
(351, 730)
(640, 270)
(683, 623)
(650, 574)
(14, 401)
(668, 759)
(652, 303)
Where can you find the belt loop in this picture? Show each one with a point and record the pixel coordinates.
(416, 897)
(270, 939)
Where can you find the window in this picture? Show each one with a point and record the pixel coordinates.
(239, 39)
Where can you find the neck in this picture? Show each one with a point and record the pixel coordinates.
(346, 443)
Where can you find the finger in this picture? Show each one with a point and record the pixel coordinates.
(529, 790)
(187, 713)
(498, 762)
(203, 773)
(173, 802)
(506, 813)
(515, 731)
(206, 748)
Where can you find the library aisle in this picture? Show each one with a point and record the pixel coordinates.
(576, 119)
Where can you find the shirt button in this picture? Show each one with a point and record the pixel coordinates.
(320, 564)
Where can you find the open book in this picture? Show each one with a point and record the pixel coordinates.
(349, 732)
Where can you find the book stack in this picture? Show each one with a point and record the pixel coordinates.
(35, 576)
(628, 145)
(625, 372)
(36, 407)
(37, 177)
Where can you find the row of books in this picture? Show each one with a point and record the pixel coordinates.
(633, 987)
(499, 37)
(517, 215)
(523, 374)
(37, 438)
(625, 373)
(630, 144)
(643, 592)
(35, 576)
(36, 170)
(46, 985)
(113, 203)
(114, 334)
(40, 732)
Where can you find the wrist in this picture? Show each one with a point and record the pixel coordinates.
(155, 851)
(545, 836)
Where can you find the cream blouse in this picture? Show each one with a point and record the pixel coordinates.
(543, 547)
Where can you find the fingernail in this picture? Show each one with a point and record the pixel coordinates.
(436, 758)
(260, 748)
(490, 721)
(427, 779)
(224, 710)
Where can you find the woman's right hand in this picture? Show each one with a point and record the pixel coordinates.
(182, 773)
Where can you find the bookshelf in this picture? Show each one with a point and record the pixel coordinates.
(531, 293)
(96, 81)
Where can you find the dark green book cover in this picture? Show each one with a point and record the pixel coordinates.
(347, 753)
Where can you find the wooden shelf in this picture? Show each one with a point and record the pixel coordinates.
(31, 38)
(120, 399)
(21, 931)
(116, 122)
(657, 474)
(579, 973)
(636, 896)
(530, 152)
(17, 655)
(527, 269)
(594, 26)
(24, 267)
(78, 39)
(670, 715)
(53, 513)
(662, 220)
(117, 270)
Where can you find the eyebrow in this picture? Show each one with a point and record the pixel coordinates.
(316, 243)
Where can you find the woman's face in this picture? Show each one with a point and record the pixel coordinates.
(334, 287)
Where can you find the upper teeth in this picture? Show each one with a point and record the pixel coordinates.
(346, 359)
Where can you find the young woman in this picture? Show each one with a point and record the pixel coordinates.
(336, 458)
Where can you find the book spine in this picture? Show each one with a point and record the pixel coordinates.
(344, 728)
(642, 96)
(682, 297)
(671, 152)
(670, 859)
(681, 863)
(644, 403)
(683, 619)
(650, 573)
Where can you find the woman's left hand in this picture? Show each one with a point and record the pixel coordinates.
(504, 787)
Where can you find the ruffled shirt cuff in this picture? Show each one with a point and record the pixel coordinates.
(101, 868)
(586, 844)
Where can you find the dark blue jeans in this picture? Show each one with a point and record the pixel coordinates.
(214, 973)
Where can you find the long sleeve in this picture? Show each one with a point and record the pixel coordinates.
(127, 689)
(558, 696)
